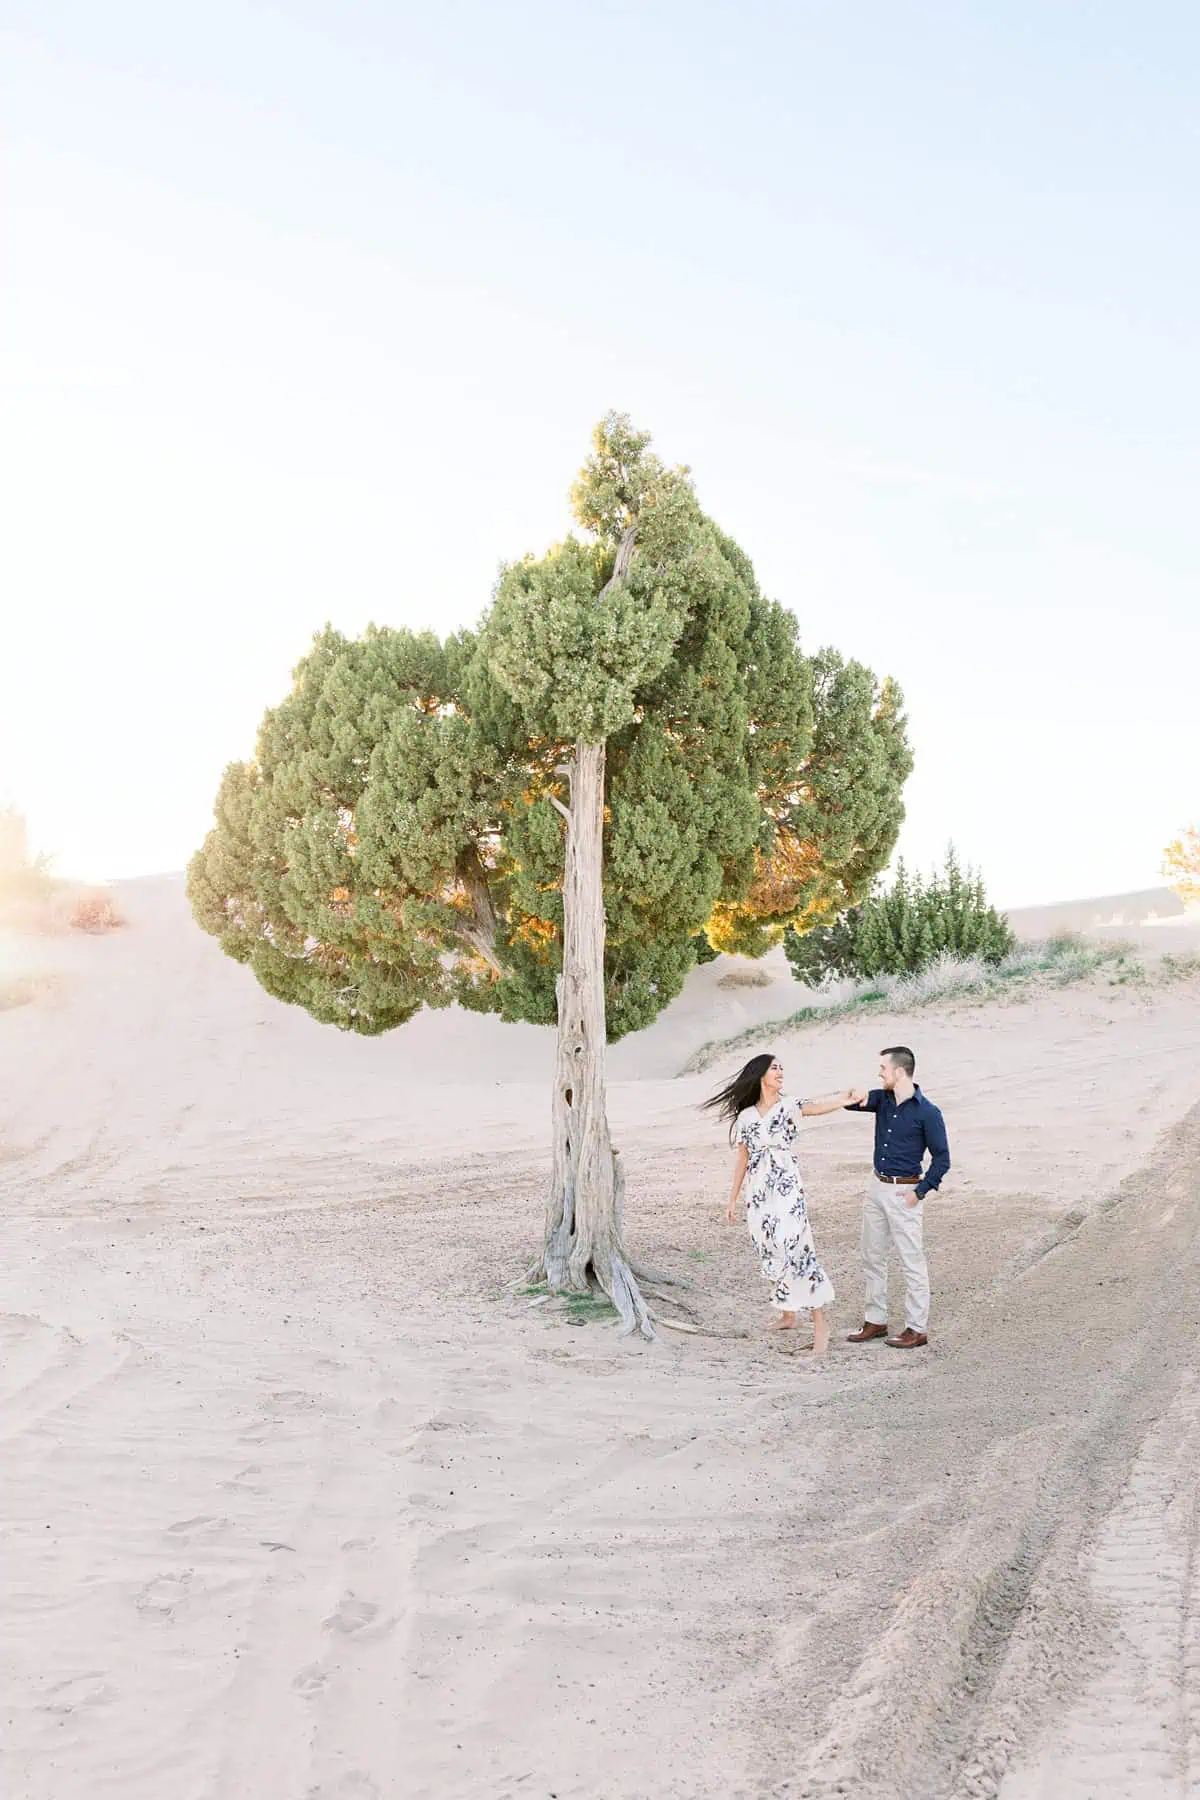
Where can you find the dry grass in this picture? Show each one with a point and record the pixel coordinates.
(744, 978)
(1059, 963)
(96, 911)
(23, 990)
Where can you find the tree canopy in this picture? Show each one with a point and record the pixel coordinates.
(397, 839)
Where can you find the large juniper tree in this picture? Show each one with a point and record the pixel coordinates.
(541, 817)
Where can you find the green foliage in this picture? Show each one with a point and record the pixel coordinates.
(826, 952)
(905, 929)
(395, 841)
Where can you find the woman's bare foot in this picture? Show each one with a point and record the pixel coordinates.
(820, 1343)
(786, 1321)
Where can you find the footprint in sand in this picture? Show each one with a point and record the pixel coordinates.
(80, 1691)
(357, 1618)
(311, 1681)
(245, 1479)
(203, 1526)
(163, 1594)
(355, 1786)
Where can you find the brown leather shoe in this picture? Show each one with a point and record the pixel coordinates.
(867, 1333)
(908, 1339)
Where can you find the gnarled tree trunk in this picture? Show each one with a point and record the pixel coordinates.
(583, 1227)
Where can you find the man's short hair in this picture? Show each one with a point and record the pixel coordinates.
(902, 1058)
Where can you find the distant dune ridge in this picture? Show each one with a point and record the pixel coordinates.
(305, 1500)
(1156, 911)
(720, 998)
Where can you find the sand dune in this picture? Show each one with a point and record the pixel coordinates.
(303, 1502)
(1154, 918)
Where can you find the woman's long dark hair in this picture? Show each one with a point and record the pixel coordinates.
(741, 1092)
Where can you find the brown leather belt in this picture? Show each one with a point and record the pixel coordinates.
(898, 1180)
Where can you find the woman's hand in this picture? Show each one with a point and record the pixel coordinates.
(731, 1212)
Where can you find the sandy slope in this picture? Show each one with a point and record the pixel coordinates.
(302, 1503)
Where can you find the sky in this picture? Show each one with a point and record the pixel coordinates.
(307, 312)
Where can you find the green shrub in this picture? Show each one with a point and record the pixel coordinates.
(905, 929)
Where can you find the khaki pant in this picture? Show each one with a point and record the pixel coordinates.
(890, 1222)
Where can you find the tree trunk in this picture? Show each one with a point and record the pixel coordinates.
(583, 1226)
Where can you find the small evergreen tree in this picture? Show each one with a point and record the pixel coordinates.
(905, 928)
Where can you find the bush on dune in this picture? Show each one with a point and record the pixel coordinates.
(744, 978)
(912, 926)
(95, 911)
(33, 902)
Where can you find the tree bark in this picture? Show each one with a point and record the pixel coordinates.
(583, 1226)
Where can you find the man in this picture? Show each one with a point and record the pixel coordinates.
(907, 1125)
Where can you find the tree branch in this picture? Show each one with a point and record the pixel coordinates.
(624, 558)
(559, 807)
(480, 929)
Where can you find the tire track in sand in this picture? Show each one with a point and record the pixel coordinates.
(1134, 1732)
(1043, 1414)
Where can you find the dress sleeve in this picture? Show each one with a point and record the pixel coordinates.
(742, 1134)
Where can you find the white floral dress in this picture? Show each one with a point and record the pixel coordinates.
(775, 1209)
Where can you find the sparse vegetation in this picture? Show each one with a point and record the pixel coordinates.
(573, 1308)
(33, 900)
(23, 990)
(1061, 962)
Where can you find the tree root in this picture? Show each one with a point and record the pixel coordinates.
(701, 1330)
(626, 1296)
(659, 1277)
(683, 1306)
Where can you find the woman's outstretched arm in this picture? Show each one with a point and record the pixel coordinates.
(827, 1103)
(739, 1175)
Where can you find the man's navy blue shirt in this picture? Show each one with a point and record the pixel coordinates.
(904, 1133)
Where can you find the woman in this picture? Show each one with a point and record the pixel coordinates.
(763, 1126)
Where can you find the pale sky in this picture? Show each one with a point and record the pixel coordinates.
(308, 310)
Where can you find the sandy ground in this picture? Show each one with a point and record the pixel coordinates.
(301, 1501)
